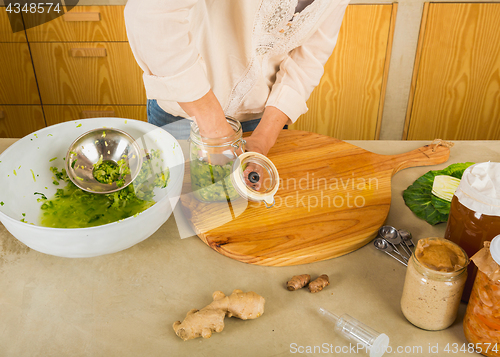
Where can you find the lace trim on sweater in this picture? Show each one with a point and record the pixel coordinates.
(277, 30)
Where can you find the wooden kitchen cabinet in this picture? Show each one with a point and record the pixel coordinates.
(84, 68)
(456, 82)
(6, 33)
(348, 102)
(17, 121)
(18, 83)
(55, 114)
(20, 109)
(17, 78)
(88, 73)
(82, 23)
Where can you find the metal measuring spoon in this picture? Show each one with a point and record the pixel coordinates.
(391, 235)
(407, 239)
(383, 245)
(398, 240)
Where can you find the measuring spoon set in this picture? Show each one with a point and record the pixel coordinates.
(396, 243)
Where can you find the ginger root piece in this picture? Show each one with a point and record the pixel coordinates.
(200, 323)
(318, 284)
(211, 318)
(298, 282)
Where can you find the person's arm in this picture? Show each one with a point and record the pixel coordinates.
(209, 116)
(264, 136)
(159, 36)
(298, 75)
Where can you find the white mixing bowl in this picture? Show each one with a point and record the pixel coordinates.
(25, 169)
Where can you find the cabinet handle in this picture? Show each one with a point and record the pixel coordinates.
(88, 52)
(86, 114)
(2, 114)
(81, 16)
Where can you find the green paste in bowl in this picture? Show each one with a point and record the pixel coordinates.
(72, 207)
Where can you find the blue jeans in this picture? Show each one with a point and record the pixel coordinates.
(180, 127)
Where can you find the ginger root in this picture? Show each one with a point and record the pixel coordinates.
(211, 318)
(298, 282)
(317, 285)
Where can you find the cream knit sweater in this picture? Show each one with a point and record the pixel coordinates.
(251, 53)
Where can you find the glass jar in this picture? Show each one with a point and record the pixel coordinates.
(256, 178)
(474, 215)
(211, 163)
(482, 318)
(434, 282)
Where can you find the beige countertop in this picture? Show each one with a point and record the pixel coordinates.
(124, 304)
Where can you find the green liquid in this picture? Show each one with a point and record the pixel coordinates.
(75, 208)
(71, 207)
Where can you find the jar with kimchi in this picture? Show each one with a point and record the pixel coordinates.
(482, 318)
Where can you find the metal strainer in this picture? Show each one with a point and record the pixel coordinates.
(110, 144)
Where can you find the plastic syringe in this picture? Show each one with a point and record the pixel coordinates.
(357, 332)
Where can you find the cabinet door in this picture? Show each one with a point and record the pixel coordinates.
(18, 83)
(82, 23)
(60, 113)
(6, 29)
(88, 73)
(456, 84)
(17, 121)
(348, 101)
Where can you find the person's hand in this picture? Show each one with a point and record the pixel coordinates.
(261, 141)
(260, 144)
(209, 116)
(215, 131)
(265, 135)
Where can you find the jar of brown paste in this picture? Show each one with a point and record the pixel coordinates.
(434, 282)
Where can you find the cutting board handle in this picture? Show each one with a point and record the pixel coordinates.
(426, 155)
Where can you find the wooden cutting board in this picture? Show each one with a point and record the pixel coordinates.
(333, 198)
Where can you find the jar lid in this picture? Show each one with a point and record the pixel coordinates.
(495, 249)
(255, 177)
(479, 188)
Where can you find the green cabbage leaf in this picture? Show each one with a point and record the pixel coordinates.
(419, 198)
